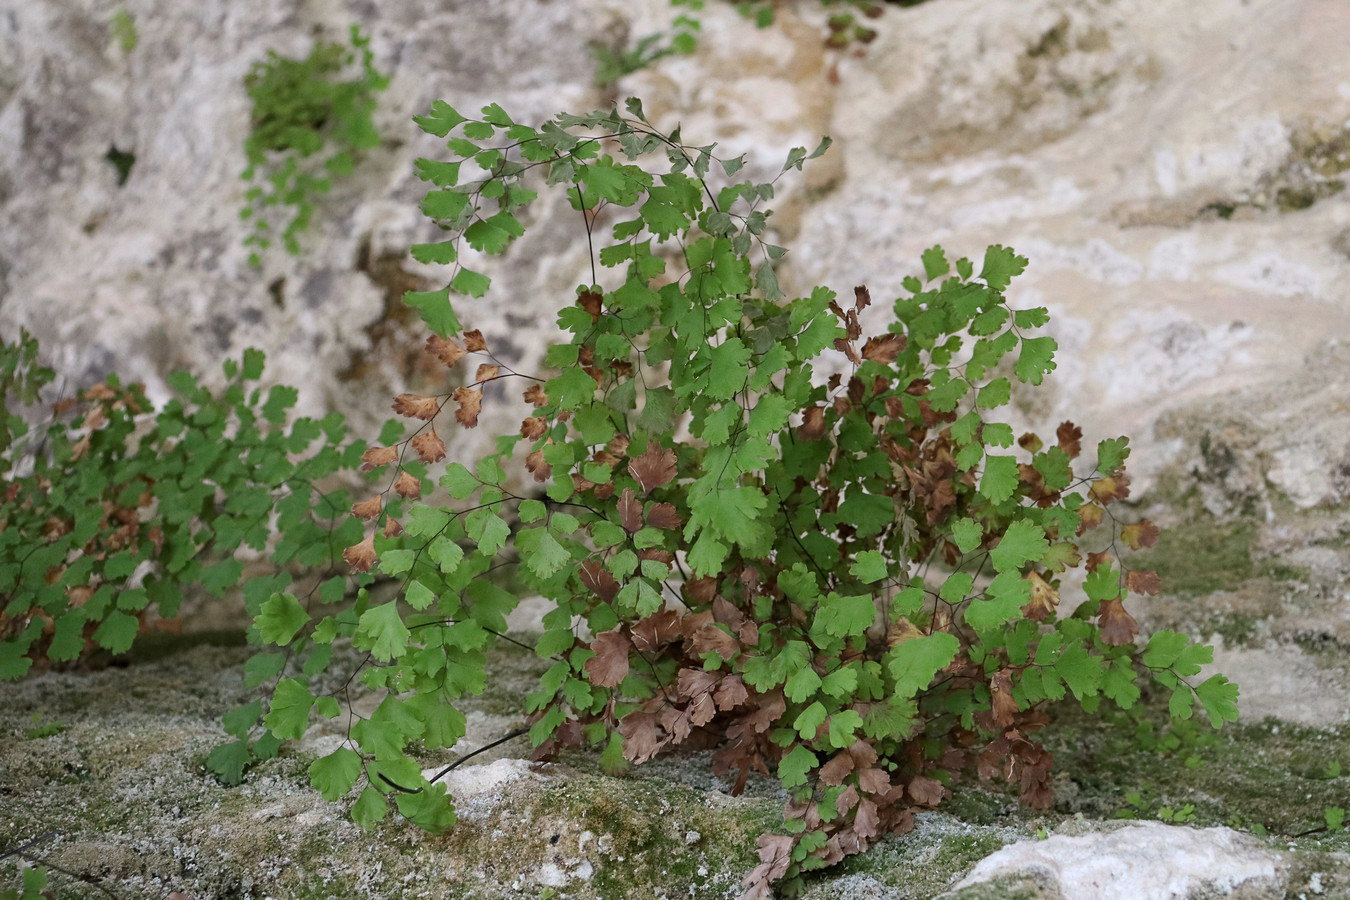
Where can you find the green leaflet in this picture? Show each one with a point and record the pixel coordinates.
(914, 663)
(281, 617)
(335, 773)
(289, 712)
(382, 632)
(1023, 542)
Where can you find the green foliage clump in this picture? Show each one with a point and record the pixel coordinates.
(612, 63)
(801, 542)
(844, 22)
(304, 110)
(113, 511)
(846, 25)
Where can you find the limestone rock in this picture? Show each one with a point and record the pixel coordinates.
(1148, 861)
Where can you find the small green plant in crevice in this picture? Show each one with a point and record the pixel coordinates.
(309, 125)
(813, 550)
(121, 161)
(113, 510)
(614, 62)
(845, 23)
(1139, 806)
(1335, 818)
(43, 729)
(123, 29)
(846, 26)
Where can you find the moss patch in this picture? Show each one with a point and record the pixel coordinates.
(124, 788)
(1203, 556)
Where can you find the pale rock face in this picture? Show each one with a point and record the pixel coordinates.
(1148, 861)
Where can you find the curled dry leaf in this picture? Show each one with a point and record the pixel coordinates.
(591, 302)
(429, 446)
(775, 851)
(1117, 626)
(1098, 559)
(605, 458)
(447, 350)
(725, 612)
(874, 781)
(1089, 517)
(392, 527)
(598, 581)
(653, 468)
(641, 737)
(813, 424)
(618, 445)
(534, 395)
(537, 466)
(470, 402)
(368, 509)
(1001, 698)
(833, 773)
(731, 692)
(1030, 442)
(691, 684)
(1109, 490)
(927, 791)
(95, 420)
(630, 511)
(1140, 535)
(408, 485)
(700, 590)
(361, 556)
(375, 457)
(486, 372)
(866, 820)
(1070, 438)
(1044, 598)
(902, 630)
(656, 630)
(1142, 582)
(609, 666)
(416, 406)
(473, 341)
(883, 348)
(862, 297)
(534, 427)
(847, 348)
(711, 639)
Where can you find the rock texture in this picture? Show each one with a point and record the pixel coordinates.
(1148, 860)
(107, 768)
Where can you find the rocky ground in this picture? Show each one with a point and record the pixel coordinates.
(107, 766)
